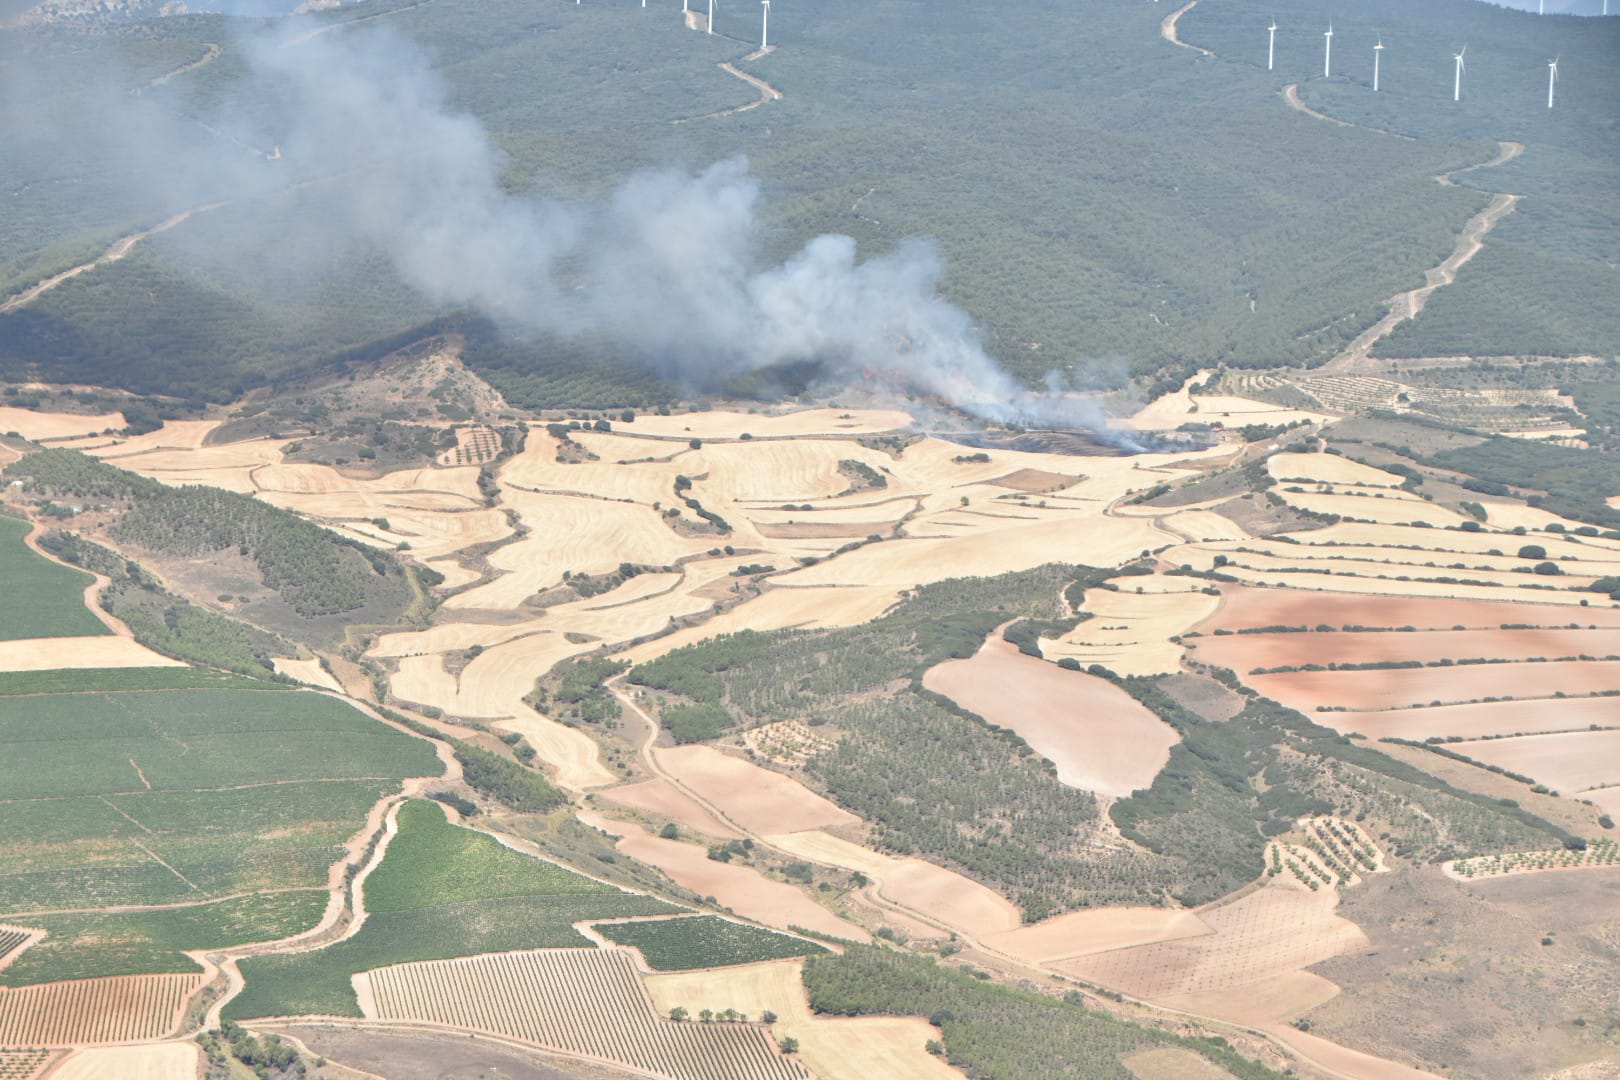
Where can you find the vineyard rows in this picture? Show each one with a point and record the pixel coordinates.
(22, 1064)
(1598, 852)
(474, 446)
(12, 939)
(1331, 851)
(582, 1001)
(93, 1010)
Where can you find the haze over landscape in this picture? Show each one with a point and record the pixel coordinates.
(556, 539)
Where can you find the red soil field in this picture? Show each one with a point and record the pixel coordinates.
(1243, 607)
(1478, 721)
(1399, 687)
(1245, 652)
(93, 1010)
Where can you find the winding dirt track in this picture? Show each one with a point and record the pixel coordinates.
(1167, 28)
(1407, 305)
(120, 248)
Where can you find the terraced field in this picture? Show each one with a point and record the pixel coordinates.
(93, 1010)
(580, 1001)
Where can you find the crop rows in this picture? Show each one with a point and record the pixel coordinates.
(582, 1001)
(93, 1010)
(22, 1064)
(11, 939)
(1598, 852)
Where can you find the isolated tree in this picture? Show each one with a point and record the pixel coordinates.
(1532, 551)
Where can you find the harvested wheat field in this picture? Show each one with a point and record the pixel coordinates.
(1392, 507)
(1203, 526)
(939, 894)
(1568, 762)
(573, 756)
(1099, 737)
(1094, 930)
(1328, 469)
(104, 651)
(872, 1047)
(1486, 719)
(1172, 1063)
(1279, 997)
(1394, 688)
(756, 799)
(1250, 608)
(1130, 632)
(1245, 652)
(587, 1002)
(740, 888)
(662, 799)
(173, 435)
(94, 1010)
(780, 608)
(719, 424)
(1272, 931)
(40, 426)
(153, 1061)
(309, 672)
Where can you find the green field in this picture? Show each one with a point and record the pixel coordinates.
(226, 801)
(704, 942)
(114, 680)
(441, 891)
(43, 598)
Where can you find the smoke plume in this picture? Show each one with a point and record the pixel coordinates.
(668, 267)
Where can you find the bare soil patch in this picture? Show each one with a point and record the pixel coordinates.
(1245, 652)
(45, 654)
(1479, 721)
(1099, 737)
(1402, 687)
(1173, 1063)
(742, 889)
(1246, 607)
(758, 800)
(932, 891)
(1036, 481)
(663, 799)
(153, 1061)
(1569, 762)
(1081, 933)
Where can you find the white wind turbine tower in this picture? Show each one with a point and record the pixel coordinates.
(1378, 50)
(765, 25)
(1456, 86)
(1552, 79)
(711, 16)
(1271, 47)
(1327, 53)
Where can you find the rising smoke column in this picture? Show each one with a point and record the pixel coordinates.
(667, 268)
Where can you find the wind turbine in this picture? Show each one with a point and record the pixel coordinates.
(711, 16)
(764, 25)
(1271, 47)
(1327, 54)
(1456, 86)
(1377, 51)
(1552, 79)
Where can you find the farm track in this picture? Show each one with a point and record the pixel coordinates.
(1167, 29)
(119, 249)
(210, 53)
(1470, 239)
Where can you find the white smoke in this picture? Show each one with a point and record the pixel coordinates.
(668, 268)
